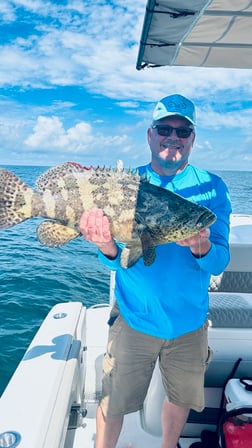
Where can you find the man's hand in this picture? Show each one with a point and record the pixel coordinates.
(199, 244)
(95, 227)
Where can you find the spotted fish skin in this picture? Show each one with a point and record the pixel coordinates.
(141, 215)
(17, 200)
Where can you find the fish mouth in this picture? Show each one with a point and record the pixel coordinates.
(206, 219)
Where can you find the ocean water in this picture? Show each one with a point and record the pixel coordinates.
(33, 278)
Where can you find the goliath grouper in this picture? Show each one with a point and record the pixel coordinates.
(141, 215)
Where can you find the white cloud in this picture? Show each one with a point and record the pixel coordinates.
(128, 104)
(234, 119)
(50, 134)
(7, 12)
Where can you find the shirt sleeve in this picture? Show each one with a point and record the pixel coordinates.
(112, 264)
(216, 260)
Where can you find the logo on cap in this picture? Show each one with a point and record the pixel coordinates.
(175, 105)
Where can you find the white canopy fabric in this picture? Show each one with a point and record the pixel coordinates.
(200, 33)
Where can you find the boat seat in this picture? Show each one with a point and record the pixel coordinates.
(237, 276)
(230, 310)
(231, 281)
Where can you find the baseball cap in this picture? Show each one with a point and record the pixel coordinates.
(175, 105)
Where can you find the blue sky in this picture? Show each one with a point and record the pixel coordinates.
(69, 89)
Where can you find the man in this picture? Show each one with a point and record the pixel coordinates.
(161, 310)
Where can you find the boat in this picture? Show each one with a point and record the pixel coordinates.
(51, 399)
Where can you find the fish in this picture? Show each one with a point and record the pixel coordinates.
(141, 215)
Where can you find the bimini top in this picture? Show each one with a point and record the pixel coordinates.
(198, 33)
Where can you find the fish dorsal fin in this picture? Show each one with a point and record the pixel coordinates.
(130, 255)
(66, 175)
(148, 248)
(54, 234)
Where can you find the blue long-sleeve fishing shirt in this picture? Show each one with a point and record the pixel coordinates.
(170, 297)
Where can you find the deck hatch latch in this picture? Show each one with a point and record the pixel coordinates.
(77, 413)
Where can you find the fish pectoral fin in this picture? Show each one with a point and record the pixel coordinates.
(54, 234)
(130, 255)
(148, 248)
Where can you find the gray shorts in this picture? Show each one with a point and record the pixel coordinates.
(131, 357)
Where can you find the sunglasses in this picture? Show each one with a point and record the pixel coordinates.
(166, 130)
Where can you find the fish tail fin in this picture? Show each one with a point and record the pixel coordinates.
(15, 200)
